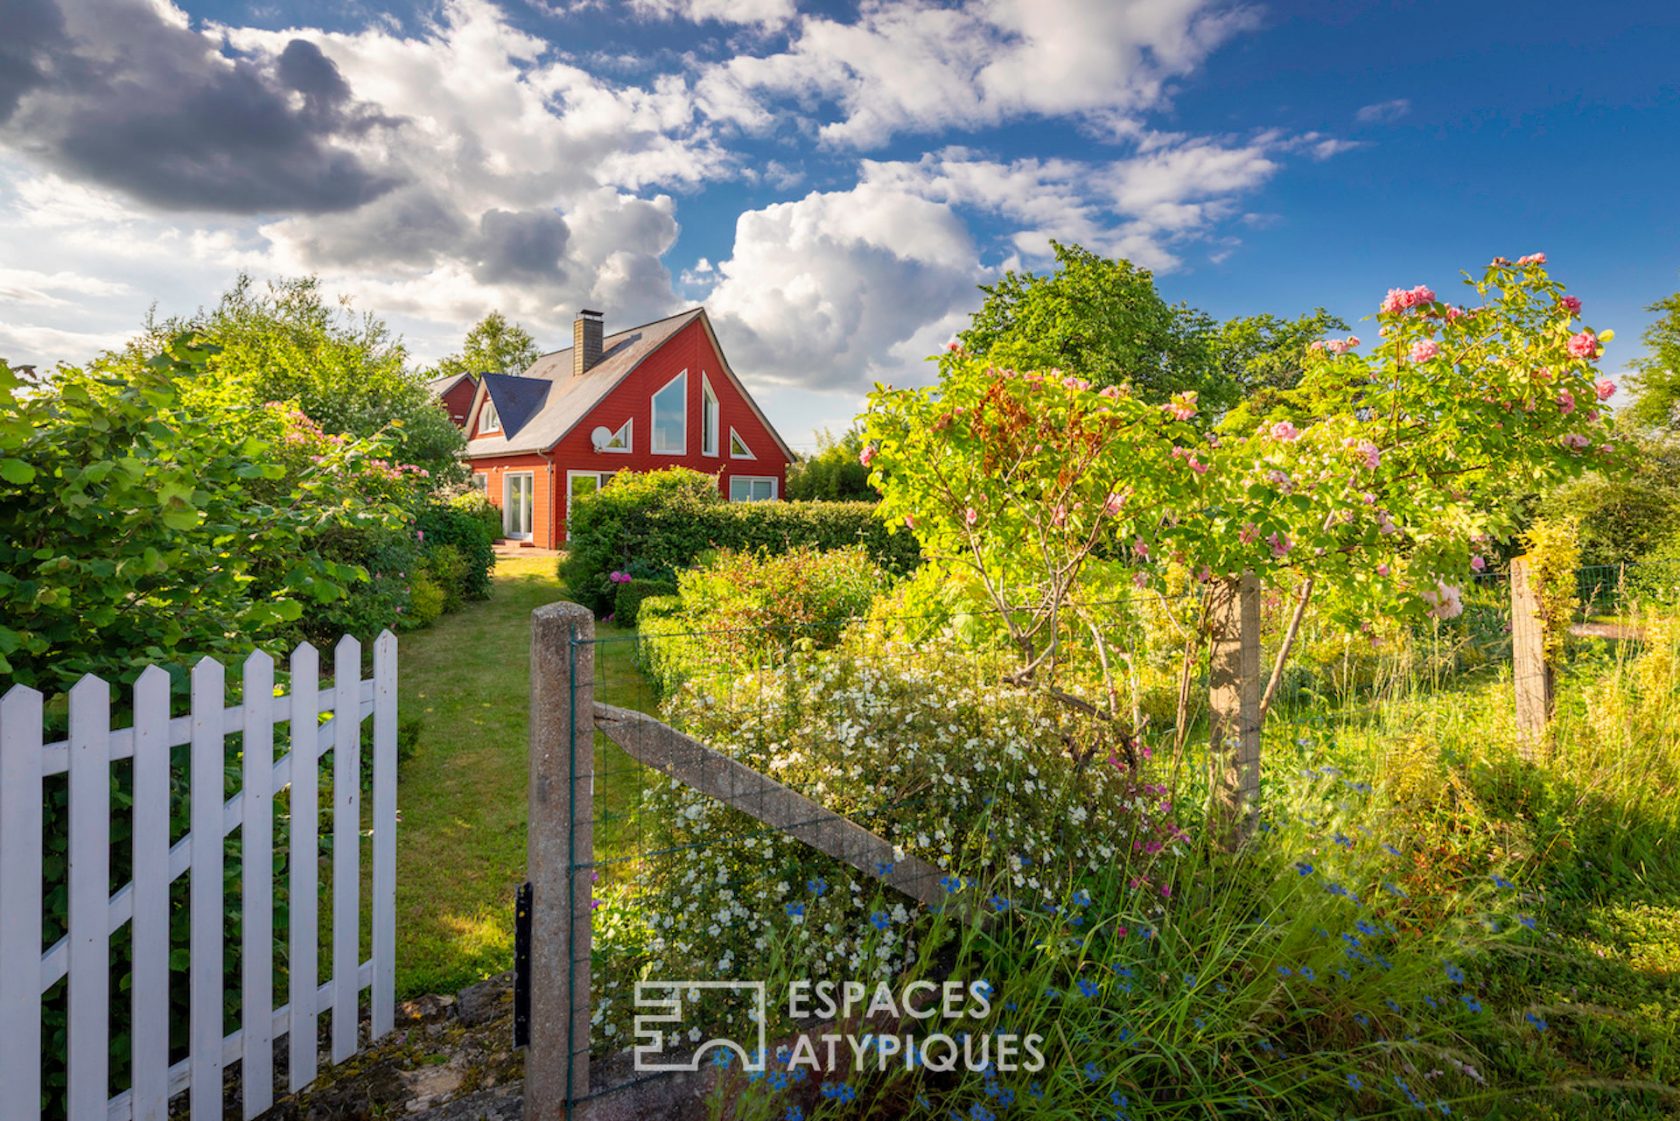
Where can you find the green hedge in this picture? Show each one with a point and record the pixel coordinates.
(654, 524)
(627, 603)
(448, 524)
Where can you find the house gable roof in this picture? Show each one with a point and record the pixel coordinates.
(441, 386)
(555, 401)
(517, 400)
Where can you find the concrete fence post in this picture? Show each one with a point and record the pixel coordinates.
(1234, 708)
(1531, 673)
(559, 849)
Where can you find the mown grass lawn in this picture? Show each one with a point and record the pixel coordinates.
(461, 842)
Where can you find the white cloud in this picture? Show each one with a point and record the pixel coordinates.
(1384, 112)
(923, 66)
(766, 13)
(838, 289)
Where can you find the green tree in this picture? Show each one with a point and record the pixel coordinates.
(834, 474)
(1656, 403)
(286, 342)
(140, 524)
(493, 346)
(1094, 318)
(1623, 518)
(1256, 357)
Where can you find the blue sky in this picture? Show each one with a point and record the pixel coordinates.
(832, 180)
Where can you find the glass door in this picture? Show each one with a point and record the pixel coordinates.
(517, 494)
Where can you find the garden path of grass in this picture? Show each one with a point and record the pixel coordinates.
(462, 797)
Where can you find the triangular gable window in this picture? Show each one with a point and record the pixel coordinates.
(738, 447)
(617, 442)
(488, 421)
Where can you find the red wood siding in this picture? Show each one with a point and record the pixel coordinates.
(458, 401)
(494, 468)
(689, 349)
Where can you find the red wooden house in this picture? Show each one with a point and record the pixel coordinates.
(455, 393)
(658, 395)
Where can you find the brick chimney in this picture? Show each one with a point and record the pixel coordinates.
(586, 341)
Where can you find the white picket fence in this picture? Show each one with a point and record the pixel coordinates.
(95, 915)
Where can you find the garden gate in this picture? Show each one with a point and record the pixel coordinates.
(37, 846)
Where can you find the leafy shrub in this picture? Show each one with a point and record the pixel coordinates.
(478, 504)
(628, 601)
(657, 523)
(834, 474)
(740, 610)
(448, 570)
(137, 526)
(460, 528)
(425, 602)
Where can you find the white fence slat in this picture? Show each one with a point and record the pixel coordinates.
(205, 1014)
(256, 1018)
(303, 937)
(57, 755)
(347, 840)
(20, 903)
(384, 833)
(149, 989)
(90, 895)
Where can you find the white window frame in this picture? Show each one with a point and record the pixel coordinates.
(507, 504)
(489, 420)
(775, 487)
(600, 478)
(709, 426)
(628, 433)
(735, 438)
(653, 409)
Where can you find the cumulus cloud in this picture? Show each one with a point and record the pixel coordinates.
(837, 289)
(921, 66)
(1384, 112)
(123, 92)
(766, 13)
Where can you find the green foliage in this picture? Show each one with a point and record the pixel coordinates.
(493, 346)
(738, 611)
(1383, 477)
(1097, 319)
(426, 600)
(478, 504)
(1625, 516)
(462, 530)
(653, 524)
(1258, 356)
(627, 603)
(834, 473)
(150, 526)
(288, 343)
(1656, 403)
(1552, 546)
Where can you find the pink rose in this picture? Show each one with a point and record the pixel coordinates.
(1566, 402)
(868, 454)
(1280, 544)
(1424, 350)
(1182, 406)
(1248, 533)
(1285, 431)
(1572, 304)
(1141, 548)
(1605, 389)
(1576, 442)
(1445, 602)
(1478, 563)
(1532, 259)
(1140, 580)
(1382, 570)
(1584, 345)
(969, 516)
(1112, 506)
(1353, 340)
